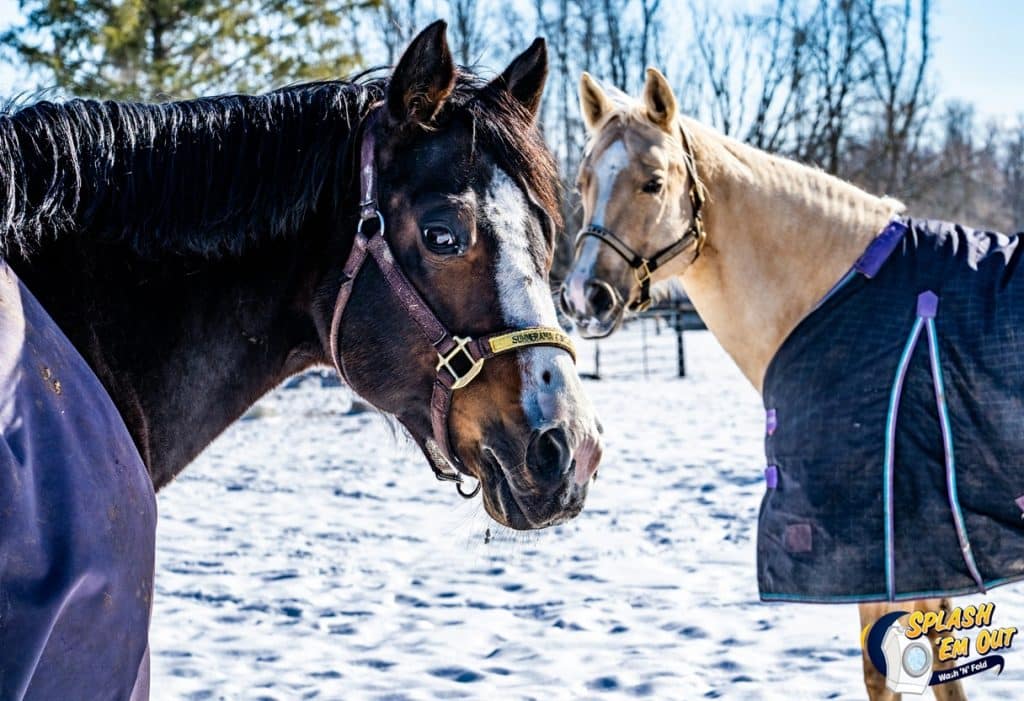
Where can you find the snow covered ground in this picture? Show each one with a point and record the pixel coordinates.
(308, 554)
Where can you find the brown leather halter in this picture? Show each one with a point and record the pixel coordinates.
(459, 359)
(643, 267)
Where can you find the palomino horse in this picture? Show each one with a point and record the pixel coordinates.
(198, 253)
(756, 240)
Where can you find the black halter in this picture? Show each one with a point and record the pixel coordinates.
(643, 267)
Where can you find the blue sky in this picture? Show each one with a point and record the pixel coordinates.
(979, 53)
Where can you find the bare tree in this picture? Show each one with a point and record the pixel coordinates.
(843, 84)
(898, 73)
(466, 31)
(836, 38)
(715, 46)
(783, 74)
(619, 57)
(1013, 176)
(398, 22)
(650, 34)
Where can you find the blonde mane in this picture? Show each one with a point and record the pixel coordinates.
(717, 155)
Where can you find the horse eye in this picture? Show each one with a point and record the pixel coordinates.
(653, 186)
(440, 239)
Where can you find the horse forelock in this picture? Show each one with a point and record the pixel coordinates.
(506, 129)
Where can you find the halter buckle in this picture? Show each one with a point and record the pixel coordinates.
(642, 272)
(444, 362)
(643, 305)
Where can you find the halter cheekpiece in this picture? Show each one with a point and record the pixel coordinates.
(459, 358)
(644, 267)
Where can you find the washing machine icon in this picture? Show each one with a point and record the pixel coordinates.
(908, 662)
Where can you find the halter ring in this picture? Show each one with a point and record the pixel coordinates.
(363, 220)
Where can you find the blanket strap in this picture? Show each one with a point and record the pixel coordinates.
(927, 308)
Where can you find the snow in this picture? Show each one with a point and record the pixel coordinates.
(310, 554)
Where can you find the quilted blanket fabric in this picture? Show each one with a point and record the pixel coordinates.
(77, 521)
(895, 426)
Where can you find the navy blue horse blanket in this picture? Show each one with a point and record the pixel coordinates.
(77, 521)
(896, 426)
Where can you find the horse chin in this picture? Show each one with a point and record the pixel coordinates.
(523, 509)
(511, 502)
(593, 328)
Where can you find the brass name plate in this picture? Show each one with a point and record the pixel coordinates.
(537, 336)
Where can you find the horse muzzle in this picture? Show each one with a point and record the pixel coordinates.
(595, 306)
(548, 488)
(538, 475)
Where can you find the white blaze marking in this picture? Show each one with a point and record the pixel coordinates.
(612, 162)
(523, 293)
(606, 171)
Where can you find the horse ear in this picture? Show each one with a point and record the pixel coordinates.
(659, 100)
(424, 77)
(525, 77)
(593, 102)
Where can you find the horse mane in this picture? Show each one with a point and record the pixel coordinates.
(722, 156)
(207, 176)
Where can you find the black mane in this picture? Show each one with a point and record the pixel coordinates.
(206, 176)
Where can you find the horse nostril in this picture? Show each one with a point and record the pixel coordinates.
(600, 298)
(548, 454)
(546, 377)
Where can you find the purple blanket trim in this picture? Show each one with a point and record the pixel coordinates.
(927, 305)
(771, 477)
(771, 421)
(870, 262)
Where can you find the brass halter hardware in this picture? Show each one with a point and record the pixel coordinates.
(643, 268)
(444, 362)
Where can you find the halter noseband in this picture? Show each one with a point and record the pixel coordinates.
(459, 359)
(644, 267)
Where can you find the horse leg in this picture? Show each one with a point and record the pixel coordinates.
(874, 682)
(950, 691)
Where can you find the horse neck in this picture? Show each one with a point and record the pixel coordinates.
(780, 234)
(184, 346)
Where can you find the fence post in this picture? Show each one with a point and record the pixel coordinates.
(643, 337)
(680, 350)
(597, 361)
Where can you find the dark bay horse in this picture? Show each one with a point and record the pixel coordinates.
(197, 253)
